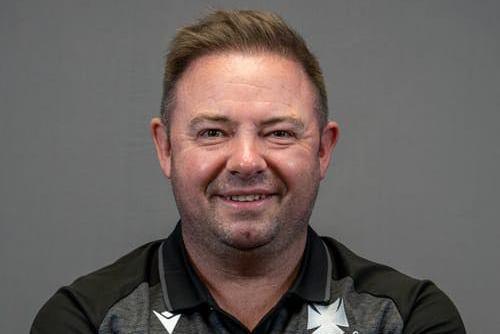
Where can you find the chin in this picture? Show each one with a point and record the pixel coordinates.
(247, 236)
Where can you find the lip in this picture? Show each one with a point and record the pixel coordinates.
(246, 191)
(253, 205)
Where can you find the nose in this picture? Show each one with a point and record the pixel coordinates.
(246, 157)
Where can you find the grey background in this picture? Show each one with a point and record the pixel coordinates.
(414, 183)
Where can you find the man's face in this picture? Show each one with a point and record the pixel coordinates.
(245, 155)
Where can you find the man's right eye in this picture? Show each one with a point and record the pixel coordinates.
(211, 133)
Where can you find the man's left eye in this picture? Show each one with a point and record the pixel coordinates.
(282, 134)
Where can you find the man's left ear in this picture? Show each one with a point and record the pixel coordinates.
(328, 139)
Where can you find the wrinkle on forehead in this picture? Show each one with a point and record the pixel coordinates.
(220, 76)
(213, 103)
(246, 92)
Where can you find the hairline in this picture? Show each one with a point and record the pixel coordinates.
(169, 102)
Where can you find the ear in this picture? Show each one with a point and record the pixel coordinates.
(162, 144)
(328, 139)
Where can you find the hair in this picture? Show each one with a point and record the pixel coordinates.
(245, 31)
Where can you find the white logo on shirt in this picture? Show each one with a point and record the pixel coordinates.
(168, 320)
(325, 319)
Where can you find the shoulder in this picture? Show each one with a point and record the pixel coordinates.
(82, 305)
(423, 307)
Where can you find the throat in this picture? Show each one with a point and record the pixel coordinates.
(243, 284)
(250, 301)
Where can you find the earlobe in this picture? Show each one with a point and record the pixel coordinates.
(328, 139)
(162, 145)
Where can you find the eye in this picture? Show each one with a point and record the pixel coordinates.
(282, 134)
(211, 133)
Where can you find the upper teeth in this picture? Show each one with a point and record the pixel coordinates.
(245, 198)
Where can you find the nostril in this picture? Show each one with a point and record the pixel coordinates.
(246, 160)
(236, 172)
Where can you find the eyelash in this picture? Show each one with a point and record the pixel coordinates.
(205, 133)
(288, 134)
(220, 133)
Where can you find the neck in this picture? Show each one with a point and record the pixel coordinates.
(259, 276)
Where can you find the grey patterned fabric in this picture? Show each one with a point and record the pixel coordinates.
(335, 292)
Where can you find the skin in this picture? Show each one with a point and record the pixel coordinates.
(245, 124)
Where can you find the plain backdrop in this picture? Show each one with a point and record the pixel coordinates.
(415, 86)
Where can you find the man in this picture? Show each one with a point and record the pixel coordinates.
(244, 138)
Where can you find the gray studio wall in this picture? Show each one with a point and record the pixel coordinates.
(414, 182)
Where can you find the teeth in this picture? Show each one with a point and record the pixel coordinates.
(245, 198)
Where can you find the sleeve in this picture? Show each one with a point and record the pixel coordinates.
(62, 315)
(433, 313)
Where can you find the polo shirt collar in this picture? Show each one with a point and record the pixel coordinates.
(313, 282)
(182, 289)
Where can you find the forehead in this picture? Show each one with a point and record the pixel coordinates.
(232, 82)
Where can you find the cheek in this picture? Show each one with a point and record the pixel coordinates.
(296, 167)
(198, 168)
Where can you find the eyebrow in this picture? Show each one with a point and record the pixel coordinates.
(210, 118)
(268, 122)
(284, 119)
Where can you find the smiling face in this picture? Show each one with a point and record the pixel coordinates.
(245, 155)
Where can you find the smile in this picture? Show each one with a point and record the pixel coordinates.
(245, 198)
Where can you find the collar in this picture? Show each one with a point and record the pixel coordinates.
(182, 289)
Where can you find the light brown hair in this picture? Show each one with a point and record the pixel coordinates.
(240, 30)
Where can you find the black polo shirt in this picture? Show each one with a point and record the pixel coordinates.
(155, 289)
(183, 292)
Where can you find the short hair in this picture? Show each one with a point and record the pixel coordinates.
(246, 31)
